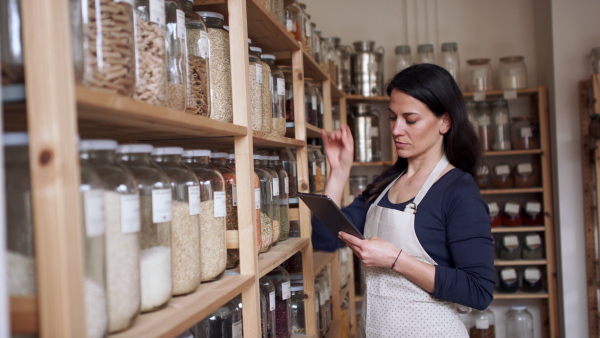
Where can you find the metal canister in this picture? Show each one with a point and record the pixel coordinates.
(364, 124)
(367, 69)
(343, 77)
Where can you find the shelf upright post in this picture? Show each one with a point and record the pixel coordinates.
(54, 161)
(336, 288)
(344, 120)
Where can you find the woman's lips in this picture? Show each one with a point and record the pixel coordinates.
(400, 144)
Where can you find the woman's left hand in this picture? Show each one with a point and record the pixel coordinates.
(372, 251)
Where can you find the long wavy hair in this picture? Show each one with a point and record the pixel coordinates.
(436, 88)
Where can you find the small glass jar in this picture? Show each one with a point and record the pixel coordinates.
(450, 60)
(284, 191)
(512, 214)
(533, 247)
(294, 21)
(482, 324)
(283, 313)
(312, 171)
(110, 46)
(508, 280)
(510, 247)
(294, 263)
(225, 322)
(502, 177)
(320, 104)
(289, 164)
(155, 235)
(595, 60)
(297, 305)
(185, 224)
(277, 86)
(213, 212)
(256, 96)
(268, 290)
(357, 185)
(11, 52)
(512, 73)
(294, 229)
(472, 114)
(151, 54)
(519, 322)
(197, 43)
(484, 177)
(289, 92)
(500, 125)
(425, 54)
(177, 73)
(221, 104)
(403, 57)
(524, 133)
(479, 75)
(525, 176)
(264, 164)
(267, 97)
(533, 214)
(484, 125)
(122, 226)
(321, 172)
(532, 279)
(311, 102)
(495, 214)
(263, 197)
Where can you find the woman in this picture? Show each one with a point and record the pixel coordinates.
(428, 239)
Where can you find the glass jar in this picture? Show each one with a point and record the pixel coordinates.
(320, 104)
(283, 313)
(532, 279)
(311, 102)
(284, 191)
(519, 322)
(482, 324)
(122, 226)
(155, 234)
(312, 171)
(343, 52)
(479, 75)
(495, 214)
(267, 4)
(332, 57)
(197, 43)
(484, 125)
(110, 46)
(225, 322)
(306, 43)
(213, 211)
(275, 204)
(508, 280)
(151, 55)
(11, 52)
(294, 21)
(500, 125)
(533, 214)
(267, 98)
(484, 177)
(264, 197)
(185, 223)
(177, 72)
(510, 247)
(533, 247)
(403, 58)
(256, 95)
(472, 114)
(525, 176)
(268, 290)
(277, 9)
(450, 60)
(294, 263)
(512, 214)
(512, 72)
(595, 60)
(425, 54)
(289, 92)
(524, 133)
(317, 48)
(289, 164)
(321, 177)
(297, 306)
(219, 63)
(277, 86)
(357, 185)
(502, 177)
(294, 229)
(321, 289)
(92, 195)
(263, 315)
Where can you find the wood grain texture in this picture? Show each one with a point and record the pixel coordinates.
(23, 315)
(279, 254)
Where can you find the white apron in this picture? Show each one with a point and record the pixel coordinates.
(394, 306)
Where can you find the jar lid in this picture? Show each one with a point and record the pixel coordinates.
(249, 41)
(257, 157)
(231, 156)
(167, 151)
(256, 49)
(364, 46)
(97, 145)
(274, 158)
(15, 139)
(511, 59)
(226, 28)
(403, 49)
(494, 209)
(268, 57)
(297, 287)
(518, 307)
(449, 47)
(478, 62)
(196, 153)
(134, 148)
(525, 168)
(336, 40)
(425, 48)
(204, 14)
(218, 155)
(302, 5)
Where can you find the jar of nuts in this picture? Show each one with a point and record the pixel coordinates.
(176, 56)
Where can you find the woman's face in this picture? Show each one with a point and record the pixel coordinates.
(415, 129)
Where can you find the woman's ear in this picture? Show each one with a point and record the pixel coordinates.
(446, 123)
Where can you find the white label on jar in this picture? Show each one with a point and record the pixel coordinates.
(307, 29)
(524, 168)
(533, 240)
(374, 131)
(323, 168)
(275, 187)
(285, 290)
(526, 132)
(257, 198)
(93, 204)
(194, 198)
(236, 329)
(286, 181)
(203, 45)
(130, 214)
(532, 275)
(180, 24)
(510, 94)
(512, 208)
(313, 102)
(322, 297)
(502, 170)
(511, 241)
(271, 84)
(508, 274)
(483, 171)
(281, 87)
(234, 195)
(314, 168)
(494, 209)
(126, 1)
(479, 96)
(157, 12)
(162, 205)
(483, 120)
(272, 301)
(220, 204)
(533, 207)
(289, 25)
(328, 292)
(501, 119)
(259, 73)
(482, 324)
(317, 307)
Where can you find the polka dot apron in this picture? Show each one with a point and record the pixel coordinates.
(394, 306)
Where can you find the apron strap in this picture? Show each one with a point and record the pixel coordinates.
(435, 174)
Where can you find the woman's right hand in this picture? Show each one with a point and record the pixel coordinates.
(339, 148)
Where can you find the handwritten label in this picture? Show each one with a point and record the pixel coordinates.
(194, 199)
(162, 205)
(220, 204)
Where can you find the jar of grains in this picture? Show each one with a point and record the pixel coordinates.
(519, 322)
(482, 324)
(220, 67)
(289, 92)
(277, 86)
(306, 28)
(268, 290)
(198, 82)
(264, 164)
(425, 54)
(122, 226)
(484, 125)
(267, 4)
(110, 45)
(267, 105)
(213, 212)
(277, 11)
(176, 56)
(284, 191)
(92, 195)
(151, 54)
(256, 96)
(225, 322)
(156, 214)
(297, 305)
(283, 313)
(289, 164)
(264, 196)
(185, 226)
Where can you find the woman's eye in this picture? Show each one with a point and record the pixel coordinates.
(410, 122)
(392, 118)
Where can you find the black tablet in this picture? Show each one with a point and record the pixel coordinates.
(329, 214)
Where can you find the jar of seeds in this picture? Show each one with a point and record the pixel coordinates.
(264, 164)
(267, 109)
(256, 95)
(263, 196)
(176, 56)
(277, 84)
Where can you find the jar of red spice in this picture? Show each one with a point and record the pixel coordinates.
(495, 214)
(484, 177)
(512, 214)
(524, 133)
(502, 177)
(533, 213)
(525, 177)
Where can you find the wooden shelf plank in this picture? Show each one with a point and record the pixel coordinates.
(359, 98)
(505, 229)
(294, 214)
(262, 139)
(311, 131)
(335, 329)
(511, 191)
(320, 260)
(519, 262)
(280, 253)
(183, 312)
(23, 315)
(336, 93)
(372, 164)
(359, 298)
(513, 152)
(500, 93)
(520, 295)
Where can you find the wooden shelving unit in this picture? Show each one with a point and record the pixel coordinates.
(505, 229)
(520, 262)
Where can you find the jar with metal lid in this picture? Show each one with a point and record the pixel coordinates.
(512, 72)
(307, 31)
(92, 195)
(519, 322)
(310, 101)
(500, 125)
(110, 46)
(403, 57)
(256, 96)
(297, 305)
(289, 164)
(294, 21)
(343, 52)
(225, 322)
(484, 125)
(484, 177)
(11, 52)
(283, 313)
(509, 280)
(267, 288)
(510, 247)
(263, 197)
(320, 104)
(151, 54)
(284, 190)
(213, 212)
(472, 114)
(367, 69)
(267, 98)
(524, 133)
(155, 234)
(512, 214)
(219, 63)
(502, 177)
(289, 92)
(595, 60)
(185, 224)
(122, 226)
(425, 54)
(177, 72)
(525, 176)
(277, 86)
(533, 213)
(364, 124)
(482, 324)
(533, 247)
(479, 75)
(264, 164)
(450, 61)
(532, 279)
(495, 214)
(197, 43)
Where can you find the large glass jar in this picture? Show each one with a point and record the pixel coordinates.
(449, 59)
(519, 322)
(310, 101)
(425, 54)
(320, 104)
(532, 279)
(508, 280)
(479, 75)
(226, 322)
(281, 280)
(264, 304)
(92, 195)
(264, 164)
(524, 133)
(512, 72)
(364, 124)
(185, 226)
(484, 125)
(294, 21)
(284, 191)
(277, 9)
(595, 60)
(156, 214)
(110, 45)
(151, 54)
(297, 305)
(256, 96)
(267, 106)
(533, 247)
(267, 4)
(500, 125)
(403, 58)
(221, 104)
(306, 28)
(11, 52)
(264, 197)
(76, 18)
(176, 56)
(122, 226)
(510, 247)
(332, 57)
(321, 176)
(482, 324)
(289, 164)
(277, 85)
(218, 161)
(268, 290)
(198, 82)
(213, 209)
(289, 92)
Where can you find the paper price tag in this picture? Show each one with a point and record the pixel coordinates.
(322, 298)
(502, 170)
(220, 204)
(533, 207)
(281, 87)
(287, 185)
(180, 24)
(512, 208)
(257, 198)
(307, 29)
(289, 25)
(259, 73)
(93, 204)
(533, 240)
(483, 121)
(526, 132)
(236, 330)
(494, 209)
(272, 301)
(511, 241)
(524, 168)
(510, 94)
(509, 274)
(204, 45)
(323, 168)
(275, 187)
(157, 12)
(130, 214)
(271, 84)
(314, 168)
(479, 96)
(313, 101)
(285, 290)
(374, 131)
(234, 195)
(501, 119)
(532, 275)
(162, 205)
(194, 198)
(317, 307)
